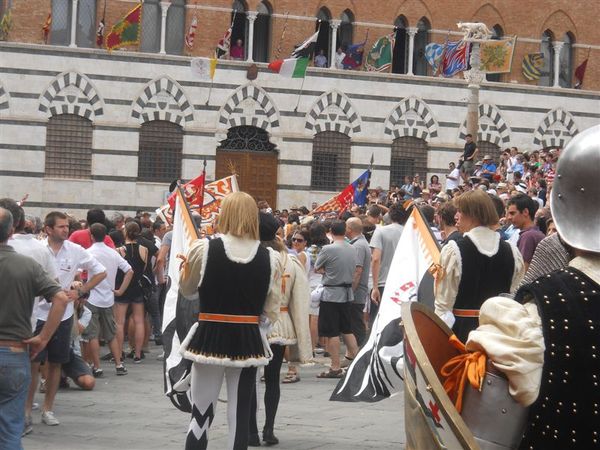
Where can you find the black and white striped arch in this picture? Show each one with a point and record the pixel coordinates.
(82, 99)
(343, 117)
(173, 107)
(398, 125)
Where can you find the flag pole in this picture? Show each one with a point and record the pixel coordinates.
(278, 51)
(300, 94)
(212, 80)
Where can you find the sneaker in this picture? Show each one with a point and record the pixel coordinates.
(161, 356)
(49, 419)
(319, 350)
(107, 357)
(28, 426)
(137, 360)
(35, 406)
(121, 370)
(97, 372)
(43, 386)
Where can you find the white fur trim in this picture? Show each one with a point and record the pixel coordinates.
(236, 248)
(282, 341)
(486, 241)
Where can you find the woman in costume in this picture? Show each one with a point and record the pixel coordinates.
(290, 330)
(236, 279)
(490, 265)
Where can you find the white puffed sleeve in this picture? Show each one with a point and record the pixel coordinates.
(447, 287)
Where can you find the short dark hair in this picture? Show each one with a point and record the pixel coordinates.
(524, 202)
(398, 214)
(448, 214)
(15, 210)
(468, 135)
(95, 215)
(499, 205)
(98, 232)
(428, 212)
(52, 217)
(374, 211)
(338, 228)
(6, 224)
(157, 224)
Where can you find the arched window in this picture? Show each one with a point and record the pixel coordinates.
(239, 31)
(151, 18)
(421, 41)
(324, 38)
(60, 30)
(68, 147)
(497, 34)
(330, 161)
(262, 32)
(409, 157)
(400, 50)
(161, 146)
(86, 24)
(547, 50)
(175, 32)
(345, 30)
(566, 61)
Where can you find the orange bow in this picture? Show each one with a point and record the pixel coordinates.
(466, 366)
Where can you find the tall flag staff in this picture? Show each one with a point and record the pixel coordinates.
(285, 22)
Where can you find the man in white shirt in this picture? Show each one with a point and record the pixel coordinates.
(452, 178)
(339, 58)
(68, 259)
(102, 299)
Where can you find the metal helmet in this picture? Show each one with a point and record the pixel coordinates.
(575, 200)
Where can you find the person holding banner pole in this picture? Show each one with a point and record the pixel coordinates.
(238, 282)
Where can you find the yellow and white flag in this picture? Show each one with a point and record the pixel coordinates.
(204, 68)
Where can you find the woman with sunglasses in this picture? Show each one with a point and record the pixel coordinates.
(300, 241)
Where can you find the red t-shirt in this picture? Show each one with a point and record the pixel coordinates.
(84, 238)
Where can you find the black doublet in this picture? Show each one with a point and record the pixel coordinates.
(231, 288)
(566, 413)
(481, 277)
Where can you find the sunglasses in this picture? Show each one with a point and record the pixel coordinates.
(297, 240)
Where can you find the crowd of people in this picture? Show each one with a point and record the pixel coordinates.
(315, 279)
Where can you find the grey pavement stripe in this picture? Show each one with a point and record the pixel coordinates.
(18, 147)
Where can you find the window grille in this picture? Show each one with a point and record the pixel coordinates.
(409, 157)
(247, 138)
(489, 148)
(151, 27)
(175, 27)
(86, 24)
(68, 147)
(161, 145)
(330, 161)
(60, 30)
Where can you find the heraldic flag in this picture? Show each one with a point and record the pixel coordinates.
(376, 372)
(356, 192)
(295, 67)
(379, 59)
(532, 66)
(127, 30)
(179, 313)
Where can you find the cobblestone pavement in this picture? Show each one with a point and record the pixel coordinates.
(132, 413)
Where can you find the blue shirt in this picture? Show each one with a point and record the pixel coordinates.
(491, 167)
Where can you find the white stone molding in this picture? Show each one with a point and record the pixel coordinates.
(71, 93)
(557, 45)
(333, 111)
(249, 105)
(411, 32)
(74, 24)
(492, 127)
(163, 99)
(556, 129)
(334, 24)
(422, 125)
(252, 15)
(164, 8)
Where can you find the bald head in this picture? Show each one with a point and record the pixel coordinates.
(354, 227)
(6, 225)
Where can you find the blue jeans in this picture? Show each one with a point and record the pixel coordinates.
(15, 376)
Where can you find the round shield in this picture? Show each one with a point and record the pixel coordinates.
(432, 421)
(575, 192)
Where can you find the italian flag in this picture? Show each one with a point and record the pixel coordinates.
(290, 68)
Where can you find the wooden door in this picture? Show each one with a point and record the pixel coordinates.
(256, 171)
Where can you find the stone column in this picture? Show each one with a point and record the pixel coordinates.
(74, 24)
(411, 32)
(252, 15)
(164, 7)
(474, 76)
(558, 45)
(334, 24)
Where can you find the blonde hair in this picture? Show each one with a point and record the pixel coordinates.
(239, 216)
(477, 205)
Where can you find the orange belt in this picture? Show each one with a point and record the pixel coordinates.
(284, 309)
(227, 318)
(465, 312)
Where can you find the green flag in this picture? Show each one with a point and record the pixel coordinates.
(379, 58)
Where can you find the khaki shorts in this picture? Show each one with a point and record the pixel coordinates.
(467, 167)
(103, 321)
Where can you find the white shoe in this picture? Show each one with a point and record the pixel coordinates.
(49, 419)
